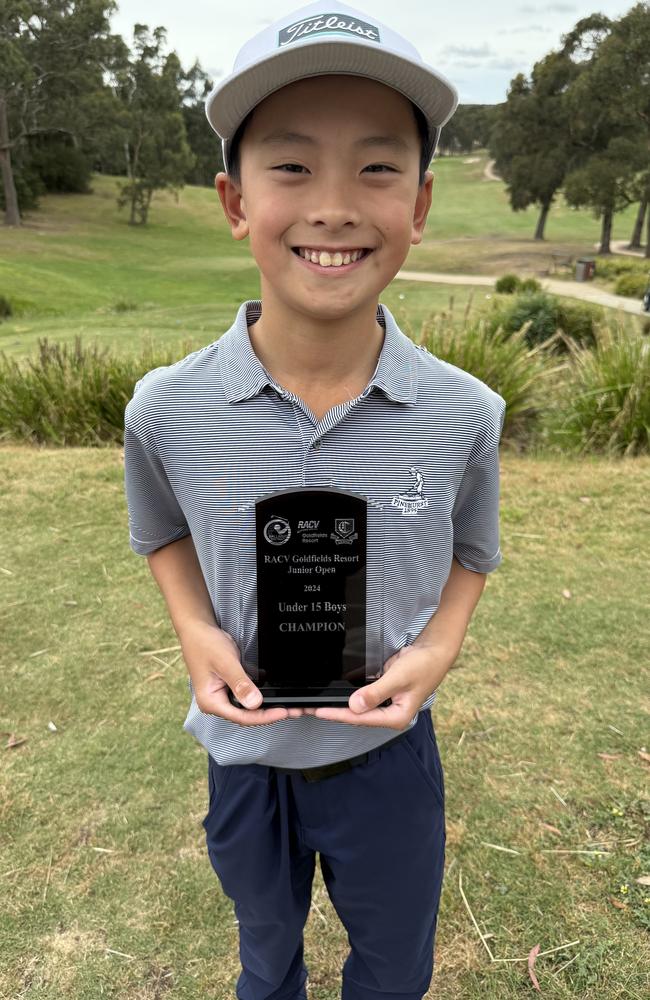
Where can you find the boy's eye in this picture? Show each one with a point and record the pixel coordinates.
(283, 165)
(298, 166)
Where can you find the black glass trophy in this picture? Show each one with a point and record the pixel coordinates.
(311, 563)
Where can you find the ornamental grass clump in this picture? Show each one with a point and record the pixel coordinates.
(525, 375)
(604, 405)
(73, 396)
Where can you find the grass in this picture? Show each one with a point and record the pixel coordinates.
(75, 260)
(106, 884)
(73, 263)
(472, 228)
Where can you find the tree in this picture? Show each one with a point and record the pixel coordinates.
(637, 232)
(469, 127)
(608, 114)
(604, 183)
(203, 142)
(53, 54)
(628, 52)
(155, 144)
(529, 138)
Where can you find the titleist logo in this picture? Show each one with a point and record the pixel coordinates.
(327, 24)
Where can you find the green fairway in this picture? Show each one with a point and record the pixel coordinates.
(467, 205)
(106, 884)
(74, 262)
(182, 276)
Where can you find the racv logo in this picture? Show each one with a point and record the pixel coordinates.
(328, 24)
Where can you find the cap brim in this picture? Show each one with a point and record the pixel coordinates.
(229, 102)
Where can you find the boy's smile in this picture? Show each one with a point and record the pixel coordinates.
(337, 258)
(329, 168)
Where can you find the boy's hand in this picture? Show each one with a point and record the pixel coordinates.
(214, 665)
(409, 677)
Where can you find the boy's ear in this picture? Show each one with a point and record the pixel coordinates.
(422, 206)
(233, 206)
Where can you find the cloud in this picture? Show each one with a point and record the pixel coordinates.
(468, 52)
(504, 64)
(529, 28)
(480, 57)
(553, 8)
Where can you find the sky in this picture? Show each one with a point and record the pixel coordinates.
(478, 46)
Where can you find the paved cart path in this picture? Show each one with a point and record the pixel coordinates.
(573, 289)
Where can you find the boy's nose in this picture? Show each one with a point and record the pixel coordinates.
(334, 206)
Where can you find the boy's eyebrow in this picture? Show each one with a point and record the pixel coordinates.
(284, 136)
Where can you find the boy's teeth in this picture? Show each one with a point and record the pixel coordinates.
(326, 259)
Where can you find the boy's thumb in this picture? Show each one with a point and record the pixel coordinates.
(246, 692)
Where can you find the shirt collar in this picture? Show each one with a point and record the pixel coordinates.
(245, 376)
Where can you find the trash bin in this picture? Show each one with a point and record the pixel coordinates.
(585, 268)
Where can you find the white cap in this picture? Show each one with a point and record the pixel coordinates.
(327, 37)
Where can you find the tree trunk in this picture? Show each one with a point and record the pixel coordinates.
(12, 212)
(541, 222)
(147, 203)
(647, 236)
(606, 232)
(635, 242)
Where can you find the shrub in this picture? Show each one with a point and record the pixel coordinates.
(525, 376)
(611, 267)
(538, 309)
(545, 313)
(71, 397)
(507, 284)
(634, 284)
(530, 285)
(578, 320)
(604, 403)
(60, 165)
(5, 307)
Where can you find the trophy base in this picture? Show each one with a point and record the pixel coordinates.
(277, 700)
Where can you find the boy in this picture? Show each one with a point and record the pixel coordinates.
(328, 123)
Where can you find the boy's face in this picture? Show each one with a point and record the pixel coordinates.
(342, 194)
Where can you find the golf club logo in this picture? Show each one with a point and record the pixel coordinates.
(412, 501)
(328, 24)
(277, 531)
(343, 531)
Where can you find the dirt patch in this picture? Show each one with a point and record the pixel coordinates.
(59, 956)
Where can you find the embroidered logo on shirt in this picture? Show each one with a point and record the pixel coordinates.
(412, 501)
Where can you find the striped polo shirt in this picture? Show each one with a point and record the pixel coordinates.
(207, 437)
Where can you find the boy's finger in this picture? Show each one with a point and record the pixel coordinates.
(221, 706)
(393, 717)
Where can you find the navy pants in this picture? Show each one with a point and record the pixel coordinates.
(379, 829)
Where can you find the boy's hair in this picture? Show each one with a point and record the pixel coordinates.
(234, 171)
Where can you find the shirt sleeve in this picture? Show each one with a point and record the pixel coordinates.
(155, 515)
(475, 516)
